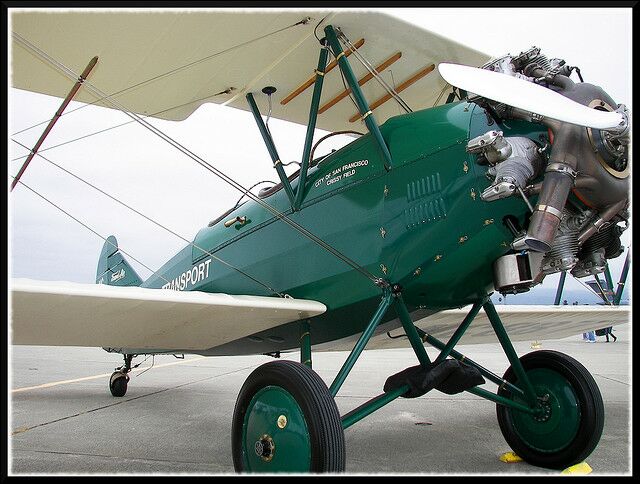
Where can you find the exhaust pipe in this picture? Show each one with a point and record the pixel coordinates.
(558, 180)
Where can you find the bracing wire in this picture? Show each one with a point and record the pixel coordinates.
(203, 163)
(193, 244)
(86, 226)
(602, 293)
(444, 89)
(589, 288)
(367, 65)
(226, 91)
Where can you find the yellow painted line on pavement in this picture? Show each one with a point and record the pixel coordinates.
(103, 375)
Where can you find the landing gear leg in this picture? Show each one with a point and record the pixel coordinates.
(120, 378)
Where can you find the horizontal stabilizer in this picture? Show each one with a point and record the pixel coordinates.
(71, 314)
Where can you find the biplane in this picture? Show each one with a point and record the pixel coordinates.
(495, 173)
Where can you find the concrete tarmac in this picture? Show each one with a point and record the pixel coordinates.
(176, 416)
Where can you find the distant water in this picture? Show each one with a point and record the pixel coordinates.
(548, 296)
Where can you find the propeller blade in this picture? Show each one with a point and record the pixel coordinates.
(528, 96)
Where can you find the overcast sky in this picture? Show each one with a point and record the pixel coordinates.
(133, 165)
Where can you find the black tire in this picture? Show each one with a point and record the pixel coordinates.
(587, 413)
(118, 384)
(318, 408)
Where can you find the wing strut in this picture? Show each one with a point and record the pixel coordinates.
(563, 276)
(311, 125)
(363, 107)
(55, 118)
(623, 279)
(271, 147)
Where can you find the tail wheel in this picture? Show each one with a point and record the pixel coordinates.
(118, 383)
(569, 426)
(286, 420)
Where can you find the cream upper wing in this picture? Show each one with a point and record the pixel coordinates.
(167, 63)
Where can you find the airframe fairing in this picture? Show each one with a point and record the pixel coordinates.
(436, 212)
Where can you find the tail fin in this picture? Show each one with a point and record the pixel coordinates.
(113, 269)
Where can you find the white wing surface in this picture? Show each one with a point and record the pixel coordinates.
(522, 323)
(70, 314)
(167, 63)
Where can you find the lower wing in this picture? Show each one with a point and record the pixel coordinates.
(70, 314)
(522, 323)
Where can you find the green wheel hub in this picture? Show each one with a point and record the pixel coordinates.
(557, 422)
(286, 420)
(275, 434)
(568, 421)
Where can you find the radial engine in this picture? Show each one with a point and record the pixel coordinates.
(576, 234)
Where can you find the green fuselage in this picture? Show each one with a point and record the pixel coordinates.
(421, 224)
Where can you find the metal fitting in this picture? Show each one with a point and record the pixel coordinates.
(562, 168)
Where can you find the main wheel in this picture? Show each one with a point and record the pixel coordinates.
(285, 420)
(570, 422)
(118, 383)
